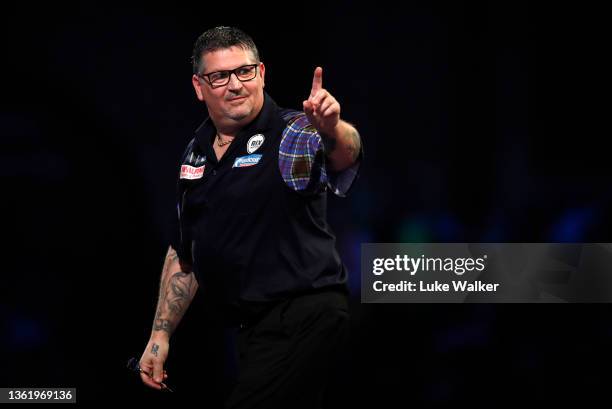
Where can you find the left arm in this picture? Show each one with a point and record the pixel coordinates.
(342, 146)
(341, 139)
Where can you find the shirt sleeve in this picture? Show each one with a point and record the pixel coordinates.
(176, 234)
(302, 161)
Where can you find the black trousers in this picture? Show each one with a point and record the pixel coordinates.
(288, 351)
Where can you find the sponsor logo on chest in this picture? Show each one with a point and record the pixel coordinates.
(244, 161)
(255, 142)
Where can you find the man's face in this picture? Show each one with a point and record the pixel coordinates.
(238, 102)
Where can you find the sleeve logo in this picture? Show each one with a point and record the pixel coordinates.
(191, 172)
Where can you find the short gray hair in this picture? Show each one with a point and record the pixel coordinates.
(219, 38)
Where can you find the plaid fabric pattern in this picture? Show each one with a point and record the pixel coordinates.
(301, 159)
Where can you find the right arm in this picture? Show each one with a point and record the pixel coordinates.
(177, 288)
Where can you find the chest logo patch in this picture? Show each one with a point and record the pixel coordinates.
(244, 161)
(191, 172)
(255, 142)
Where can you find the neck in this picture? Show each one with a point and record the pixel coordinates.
(221, 141)
(226, 135)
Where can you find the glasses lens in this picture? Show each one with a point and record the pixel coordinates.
(246, 72)
(219, 78)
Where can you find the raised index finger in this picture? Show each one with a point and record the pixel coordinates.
(317, 81)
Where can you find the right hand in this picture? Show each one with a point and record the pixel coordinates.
(152, 362)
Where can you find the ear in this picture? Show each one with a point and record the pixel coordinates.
(197, 83)
(262, 72)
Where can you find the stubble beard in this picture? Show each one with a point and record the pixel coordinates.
(238, 114)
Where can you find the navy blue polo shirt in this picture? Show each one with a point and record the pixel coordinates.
(253, 224)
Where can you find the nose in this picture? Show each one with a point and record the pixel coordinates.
(234, 82)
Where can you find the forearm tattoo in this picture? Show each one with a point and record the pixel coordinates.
(354, 143)
(350, 138)
(175, 295)
(329, 144)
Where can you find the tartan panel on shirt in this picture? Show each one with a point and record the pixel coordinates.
(301, 157)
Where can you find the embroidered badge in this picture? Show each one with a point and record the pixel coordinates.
(191, 172)
(245, 161)
(255, 142)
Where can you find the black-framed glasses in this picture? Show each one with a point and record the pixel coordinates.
(221, 78)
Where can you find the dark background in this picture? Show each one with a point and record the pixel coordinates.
(480, 124)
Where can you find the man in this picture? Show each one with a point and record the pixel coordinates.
(251, 229)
